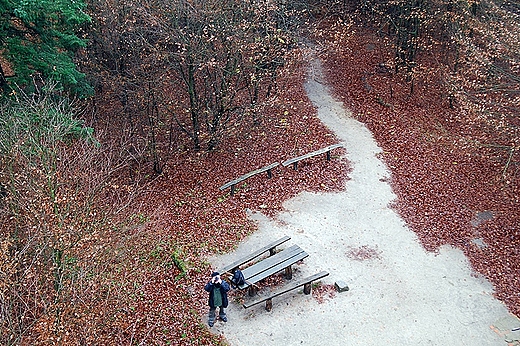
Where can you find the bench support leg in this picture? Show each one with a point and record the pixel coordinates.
(307, 288)
(328, 155)
(295, 165)
(269, 174)
(232, 190)
(288, 273)
(252, 290)
(269, 304)
(272, 251)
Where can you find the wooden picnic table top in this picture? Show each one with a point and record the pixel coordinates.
(272, 265)
(253, 255)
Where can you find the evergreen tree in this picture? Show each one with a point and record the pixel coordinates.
(38, 38)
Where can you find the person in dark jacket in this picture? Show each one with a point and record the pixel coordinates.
(217, 289)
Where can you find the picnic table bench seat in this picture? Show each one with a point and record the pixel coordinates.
(246, 259)
(307, 288)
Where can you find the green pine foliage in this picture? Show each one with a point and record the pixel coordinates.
(40, 38)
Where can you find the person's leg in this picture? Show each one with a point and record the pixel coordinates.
(211, 316)
(222, 314)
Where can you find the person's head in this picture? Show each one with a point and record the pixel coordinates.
(215, 279)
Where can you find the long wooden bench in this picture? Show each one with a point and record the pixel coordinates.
(269, 247)
(307, 288)
(294, 161)
(271, 265)
(232, 183)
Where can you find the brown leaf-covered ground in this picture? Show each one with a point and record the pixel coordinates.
(456, 183)
(450, 191)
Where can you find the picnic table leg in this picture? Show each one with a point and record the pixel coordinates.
(288, 273)
(269, 304)
(252, 290)
(307, 288)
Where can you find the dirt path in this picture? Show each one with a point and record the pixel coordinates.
(399, 294)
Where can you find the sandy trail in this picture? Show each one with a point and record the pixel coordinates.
(400, 295)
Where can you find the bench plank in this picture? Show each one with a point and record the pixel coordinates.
(327, 150)
(232, 183)
(290, 287)
(270, 247)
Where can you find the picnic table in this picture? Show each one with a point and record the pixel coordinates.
(267, 266)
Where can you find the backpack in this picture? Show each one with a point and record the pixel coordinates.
(238, 278)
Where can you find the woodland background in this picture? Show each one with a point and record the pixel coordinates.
(120, 120)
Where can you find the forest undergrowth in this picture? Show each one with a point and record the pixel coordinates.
(150, 274)
(456, 180)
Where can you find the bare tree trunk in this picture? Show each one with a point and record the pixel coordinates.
(153, 114)
(194, 108)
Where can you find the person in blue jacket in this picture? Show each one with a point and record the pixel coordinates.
(217, 289)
